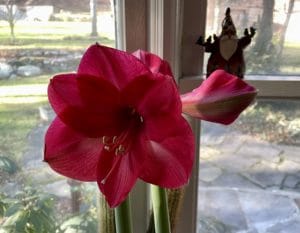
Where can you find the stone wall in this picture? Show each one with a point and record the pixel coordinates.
(28, 63)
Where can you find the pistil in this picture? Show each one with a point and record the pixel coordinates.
(120, 144)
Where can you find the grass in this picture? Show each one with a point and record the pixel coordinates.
(19, 103)
(21, 97)
(275, 121)
(16, 121)
(51, 35)
(41, 79)
(291, 55)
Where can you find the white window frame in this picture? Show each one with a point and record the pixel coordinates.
(170, 28)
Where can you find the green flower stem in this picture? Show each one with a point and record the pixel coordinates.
(106, 217)
(123, 217)
(160, 209)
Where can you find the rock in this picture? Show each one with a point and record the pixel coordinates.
(264, 150)
(212, 225)
(13, 77)
(289, 167)
(224, 206)
(29, 71)
(5, 70)
(209, 173)
(291, 182)
(234, 180)
(265, 174)
(291, 226)
(291, 153)
(266, 209)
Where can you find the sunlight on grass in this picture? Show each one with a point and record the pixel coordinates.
(41, 79)
(23, 90)
(23, 99)
(55, 35)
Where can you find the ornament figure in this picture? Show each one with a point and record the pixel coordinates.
(227, 49)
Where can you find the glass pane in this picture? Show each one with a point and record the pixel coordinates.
(275, 49)
(46, 40)
(249, 171)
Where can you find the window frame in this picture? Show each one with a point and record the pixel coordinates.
(163, 21)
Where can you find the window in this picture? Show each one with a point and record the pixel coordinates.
(278, 99)
(169, 28)
(274, 49)
(40, 39)
(251, 163)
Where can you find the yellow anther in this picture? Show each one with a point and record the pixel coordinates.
(120, 150)
(103, 181)
(107, 148)
(109, 141)
(105, 140)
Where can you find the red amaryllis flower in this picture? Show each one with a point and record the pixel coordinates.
(154, 63)
(117, 121)
(220, 98)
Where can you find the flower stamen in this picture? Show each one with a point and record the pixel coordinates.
(120, 144)
(120, 150)
(107, 148)
(116, 161)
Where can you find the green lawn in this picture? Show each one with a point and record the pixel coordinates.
(51, 35)
(291, 55)
(16, 121)
(20, 98)
(41, 79)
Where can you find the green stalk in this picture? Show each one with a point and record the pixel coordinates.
(160, 209)
(106, 222)
(123, 217)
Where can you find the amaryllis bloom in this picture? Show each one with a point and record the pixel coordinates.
(118, 119)
(220, 98)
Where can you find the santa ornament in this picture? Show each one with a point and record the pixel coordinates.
(227, 49)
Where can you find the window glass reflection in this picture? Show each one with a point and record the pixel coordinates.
(39, 39)
(275, 49)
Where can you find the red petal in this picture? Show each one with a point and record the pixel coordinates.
(136, 90)
(87, 104)
(162, 98)
(70, 153)
(170, 152)
(220, 98)
(117, 174)
(116, 66)
(154, 62)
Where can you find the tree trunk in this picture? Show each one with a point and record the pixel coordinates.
(75, 195)
(12, 31)
(11, 20)
(93, 9)
(265, 31)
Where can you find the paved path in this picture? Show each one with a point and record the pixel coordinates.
(247, 185)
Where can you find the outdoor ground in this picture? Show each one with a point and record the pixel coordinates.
(24, 108)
